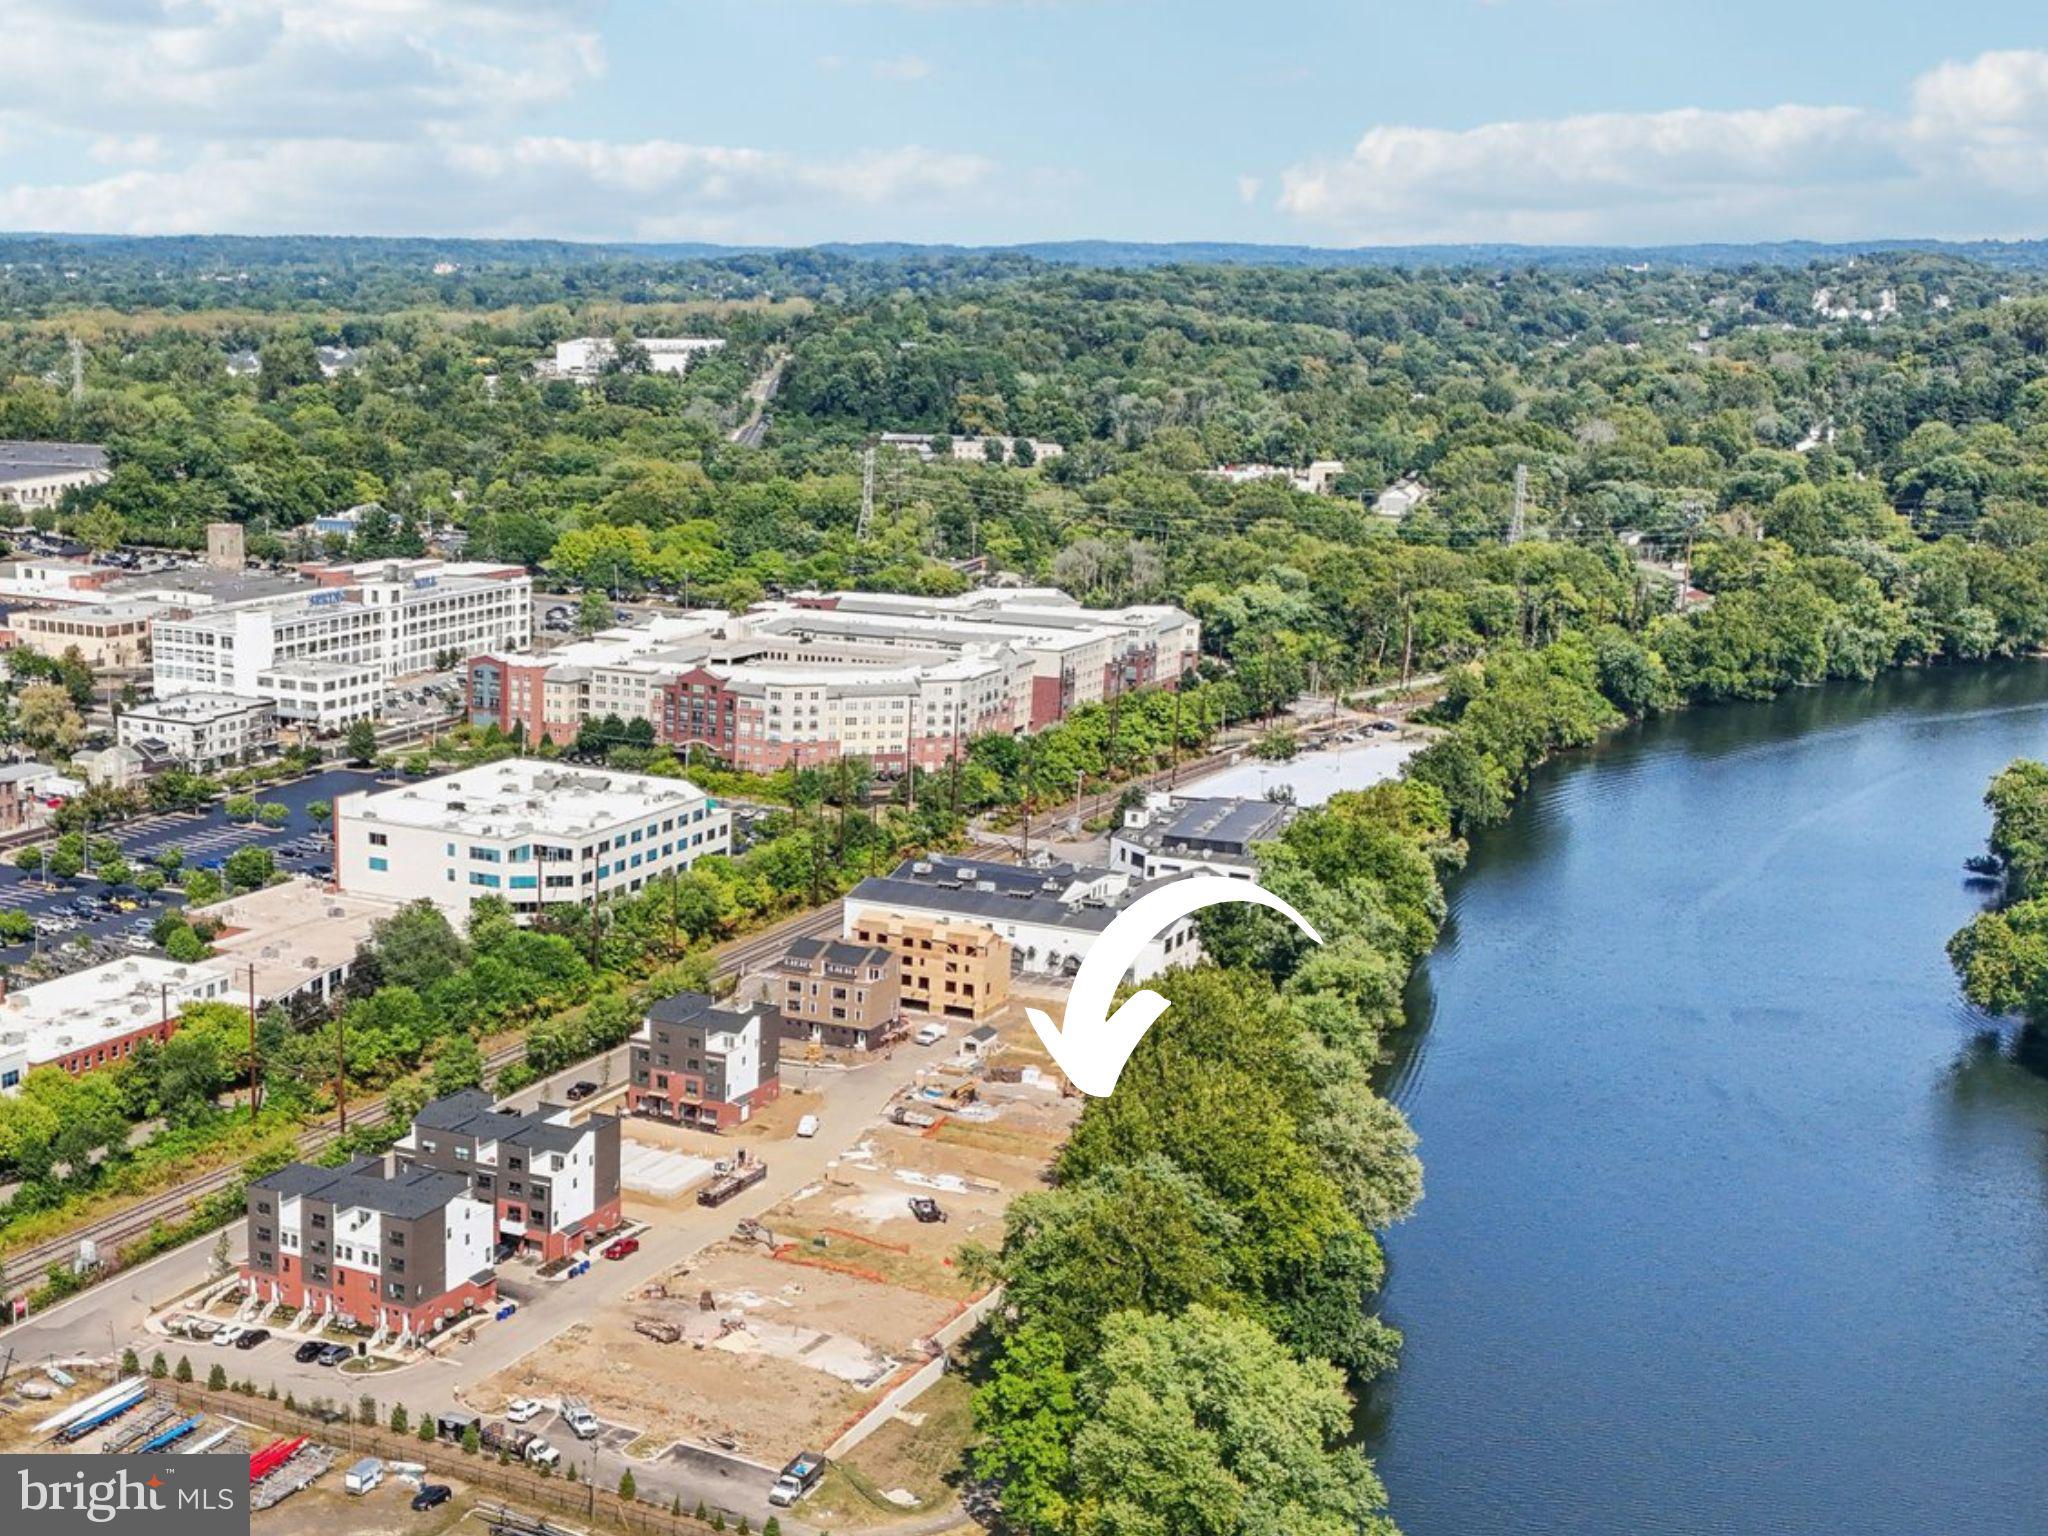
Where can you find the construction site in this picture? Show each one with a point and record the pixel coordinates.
(787, 1333)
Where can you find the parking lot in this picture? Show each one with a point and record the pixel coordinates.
(113, 923)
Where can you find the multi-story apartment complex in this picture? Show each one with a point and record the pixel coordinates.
(553, 1185)
(323, 654)
(958, 970)
(901, 681)
(697, 1063)
(402, 1253)
(847, 996)
(1050, 916)
(527, 830)
(203, 731)
(99, 1016)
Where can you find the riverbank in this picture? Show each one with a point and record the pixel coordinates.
(1734, 1209)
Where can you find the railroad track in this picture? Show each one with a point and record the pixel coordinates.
(26, 1266)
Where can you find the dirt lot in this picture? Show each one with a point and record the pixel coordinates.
(810, 1326)
(787, 1355)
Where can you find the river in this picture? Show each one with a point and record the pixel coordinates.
(1737, 1215)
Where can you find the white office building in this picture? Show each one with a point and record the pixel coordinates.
(530, 831)
(203, 731)
(324, 655)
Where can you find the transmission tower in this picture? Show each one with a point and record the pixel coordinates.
(867, 496)
(1518, 528)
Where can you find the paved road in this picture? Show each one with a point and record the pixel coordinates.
(111, 1317)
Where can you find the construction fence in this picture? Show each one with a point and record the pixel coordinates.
(519, 1486)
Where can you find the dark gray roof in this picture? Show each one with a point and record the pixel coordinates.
(406, 1196)
(1216, 826)
(682, 1008)
(25, 461)
(1012, 894)
(471, 1113)
(838, 952)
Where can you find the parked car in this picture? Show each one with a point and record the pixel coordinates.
(580, 1091)
(251, 1337)
(522, 1409)
(432, 1496)
(623, 1247)
(926, 1209)
(807, 1127)
(931, 1034)
(332, 1354)
(308, 1352)
(229, 1334)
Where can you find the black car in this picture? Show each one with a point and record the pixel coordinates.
(332, 1354)
(308, 1352)
(432, 1496)
(580, 1091)
(252, 1338)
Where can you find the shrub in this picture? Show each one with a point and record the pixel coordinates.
(184, 1370)
(217, 1378)
(158, 1367)
(628, 1488)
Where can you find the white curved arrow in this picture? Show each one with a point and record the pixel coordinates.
(1096, 1043)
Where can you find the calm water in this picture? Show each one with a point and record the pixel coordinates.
(1737, 1217)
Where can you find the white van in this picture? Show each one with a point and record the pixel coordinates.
(807, 1127)
(931, 1034)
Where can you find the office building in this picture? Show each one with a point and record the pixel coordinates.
(203, 731)
(101, 1015)
(323, 653)
(529, 831)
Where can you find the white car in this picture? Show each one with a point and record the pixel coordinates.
(931, 1034)
(541, 1454)
(807, 1127)
(521, 1409)
(229, 1334)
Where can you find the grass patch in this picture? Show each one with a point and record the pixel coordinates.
(924, 1459)
(985, 1137)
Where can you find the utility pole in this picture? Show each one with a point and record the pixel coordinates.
(341, 1067)
(254, 1076)
(867, 496)
(1080, 777)
(1173, 771)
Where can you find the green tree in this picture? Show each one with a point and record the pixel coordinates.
(217, 1378)
(628, 1487)
(183, 1370)
(250, 867)
(362, 741)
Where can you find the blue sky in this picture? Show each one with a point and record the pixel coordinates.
(1374, 121)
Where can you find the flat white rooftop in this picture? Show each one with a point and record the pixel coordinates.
(196, 708)
(525, 795)
(294, 932)
(104, 1002)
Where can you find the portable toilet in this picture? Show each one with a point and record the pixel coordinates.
(363, 1476)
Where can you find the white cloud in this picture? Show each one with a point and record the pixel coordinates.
(398, 117)
(1974, 135)
(1248, 189)
(652, 190)
(907, 68)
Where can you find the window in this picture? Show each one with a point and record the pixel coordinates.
(379, 840)
(380, 864)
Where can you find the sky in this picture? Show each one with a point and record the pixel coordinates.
(1324, 122)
